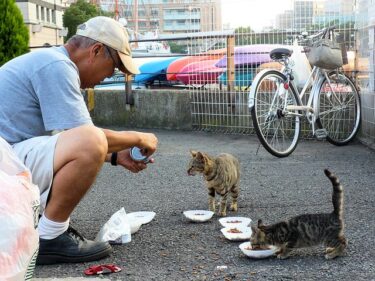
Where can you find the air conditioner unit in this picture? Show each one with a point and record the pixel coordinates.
(36, 28)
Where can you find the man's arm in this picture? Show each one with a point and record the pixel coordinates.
(120, 140)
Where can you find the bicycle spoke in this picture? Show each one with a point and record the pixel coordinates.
(276, 130)
(339, 112)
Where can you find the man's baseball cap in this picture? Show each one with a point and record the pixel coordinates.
(112, 34)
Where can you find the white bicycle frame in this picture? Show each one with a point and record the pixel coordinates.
(311, 109)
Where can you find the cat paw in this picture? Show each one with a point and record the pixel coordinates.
(282, 257)
(222, 214)
(330, 256)
(233, 208)
(329, 250)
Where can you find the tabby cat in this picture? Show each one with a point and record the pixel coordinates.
(222, 175)
(307, 230)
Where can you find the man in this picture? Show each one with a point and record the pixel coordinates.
(40, 93)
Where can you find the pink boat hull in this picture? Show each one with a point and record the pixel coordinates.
(201, 72)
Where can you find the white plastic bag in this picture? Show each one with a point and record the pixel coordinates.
(116, 230)
(300, 65)
(19, 212)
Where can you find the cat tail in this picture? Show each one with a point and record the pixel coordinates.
(337, 194)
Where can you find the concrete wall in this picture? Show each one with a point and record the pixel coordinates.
(151, 109)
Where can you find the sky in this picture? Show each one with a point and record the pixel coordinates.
(253, 13)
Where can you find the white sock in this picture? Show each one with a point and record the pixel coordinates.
(50, 229)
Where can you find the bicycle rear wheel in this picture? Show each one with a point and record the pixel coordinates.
(277, 129)
(339, 108)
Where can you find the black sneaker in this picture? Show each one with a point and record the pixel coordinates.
(71, 247)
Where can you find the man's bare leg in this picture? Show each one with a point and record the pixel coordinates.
(79, 156)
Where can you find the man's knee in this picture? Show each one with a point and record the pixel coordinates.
(93, 142)
(87, 143)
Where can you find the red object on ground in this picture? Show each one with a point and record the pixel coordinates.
(102, 269)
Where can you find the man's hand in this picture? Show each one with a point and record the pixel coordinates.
(148, 143)
(124, 159)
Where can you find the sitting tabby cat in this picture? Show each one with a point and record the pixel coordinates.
(222, 174)
(307, 230)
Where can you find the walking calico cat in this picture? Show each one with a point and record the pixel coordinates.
(307, 230)
(222, 174)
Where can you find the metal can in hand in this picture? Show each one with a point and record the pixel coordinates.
(136, 155)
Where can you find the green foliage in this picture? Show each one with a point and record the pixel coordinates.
(14, 35)
(177, 48)
(80, 12)
(244, 36)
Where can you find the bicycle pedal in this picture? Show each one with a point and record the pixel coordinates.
(321, 134)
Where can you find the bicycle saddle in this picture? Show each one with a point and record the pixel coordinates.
(280, 53)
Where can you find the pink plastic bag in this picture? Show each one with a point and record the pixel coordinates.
(19, 212)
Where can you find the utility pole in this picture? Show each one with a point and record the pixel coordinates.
(116, 10)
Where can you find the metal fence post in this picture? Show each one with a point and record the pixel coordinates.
(129, 99)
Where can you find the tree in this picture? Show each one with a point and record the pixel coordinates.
(244, 35)
(80, 12)
(14, 35)
(177, 48)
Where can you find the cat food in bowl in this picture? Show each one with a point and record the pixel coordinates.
(198, 215)
(237, 233)
(258, 253)
(234, 221)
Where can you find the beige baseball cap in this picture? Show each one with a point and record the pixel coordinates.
(113, 34)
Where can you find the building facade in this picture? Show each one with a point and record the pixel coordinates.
(167, 16)
(44, 21)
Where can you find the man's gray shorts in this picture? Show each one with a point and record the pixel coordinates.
(38, 154)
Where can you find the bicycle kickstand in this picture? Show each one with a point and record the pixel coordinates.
(321, 134)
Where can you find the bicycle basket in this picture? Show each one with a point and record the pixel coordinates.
(325, 52)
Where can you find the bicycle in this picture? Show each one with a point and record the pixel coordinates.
(333, 106)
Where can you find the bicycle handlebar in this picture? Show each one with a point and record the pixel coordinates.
(319, 34)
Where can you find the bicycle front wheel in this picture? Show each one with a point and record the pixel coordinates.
(339, 108)
(277, 128)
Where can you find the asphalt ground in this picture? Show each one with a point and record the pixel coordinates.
(172, 248)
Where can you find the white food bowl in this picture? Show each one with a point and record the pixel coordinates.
(198, 215)
(141, 217)
(244, 232)
(234, 221)
(257, 254)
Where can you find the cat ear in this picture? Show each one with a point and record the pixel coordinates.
(193, 153)
(199, 155)
(260, 223)
(205, 158)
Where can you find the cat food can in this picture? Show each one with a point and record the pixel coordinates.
(136, 155)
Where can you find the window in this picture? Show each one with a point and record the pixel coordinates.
(154, 12)
(37, 12)
(42, 13)
(54, 16)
